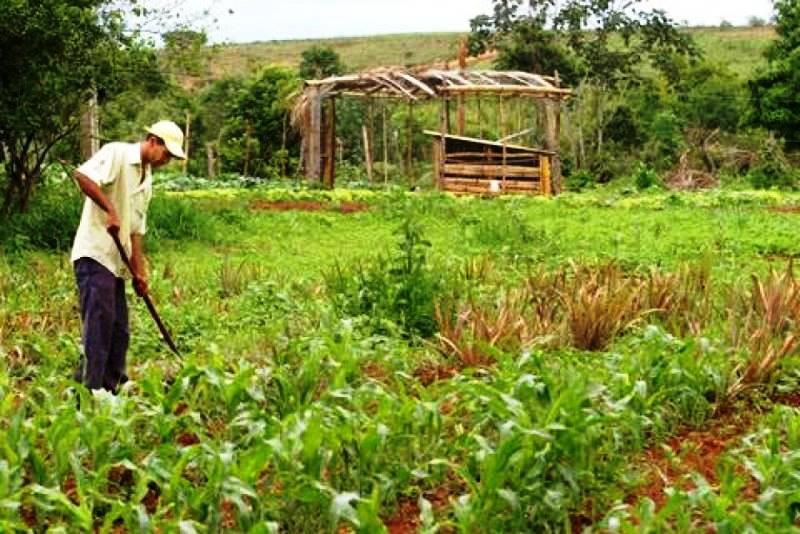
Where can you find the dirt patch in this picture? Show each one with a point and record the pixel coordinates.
(187, 439)
(28, 513)
(788, 399)
(120, 480)
(689, 452)
(406, 519)
(375, 371)
(228, 513)
(151, 498)
(429, 374)
(70, 489)
(307, 205)
(784, 209)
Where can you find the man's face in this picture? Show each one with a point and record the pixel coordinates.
(159, 155)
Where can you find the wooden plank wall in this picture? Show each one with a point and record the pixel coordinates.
(462, 167)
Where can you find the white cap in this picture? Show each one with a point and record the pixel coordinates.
(172, 136)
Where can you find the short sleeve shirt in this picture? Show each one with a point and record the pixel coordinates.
(117, 169)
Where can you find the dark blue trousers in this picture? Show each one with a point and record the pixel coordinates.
(104, 319)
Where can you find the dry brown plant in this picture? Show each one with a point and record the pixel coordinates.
(768, 333)
(470, 331)
(682, 301)
(600, 304)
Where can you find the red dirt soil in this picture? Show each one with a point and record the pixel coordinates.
(785, 209)
(406, 518)
(307, 205)
(188, 438)
(693, 451)
(150, 500)
(427, 375)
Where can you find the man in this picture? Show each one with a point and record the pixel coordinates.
(118, 184)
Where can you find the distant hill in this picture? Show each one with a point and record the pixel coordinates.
(739, 48)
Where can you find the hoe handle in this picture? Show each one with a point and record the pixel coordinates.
(146, 297)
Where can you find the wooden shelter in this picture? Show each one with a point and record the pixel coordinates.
(462, 164)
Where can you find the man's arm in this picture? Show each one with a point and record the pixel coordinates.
(95, 192)
(139, 264)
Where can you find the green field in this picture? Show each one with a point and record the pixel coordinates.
(420, 363)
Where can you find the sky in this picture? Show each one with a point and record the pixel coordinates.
(265, 20)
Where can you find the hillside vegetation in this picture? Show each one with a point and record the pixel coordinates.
(741, 49)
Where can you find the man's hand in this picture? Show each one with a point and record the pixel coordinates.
(112, 223)
(140, 285)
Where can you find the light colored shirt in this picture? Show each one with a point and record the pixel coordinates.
(117, 169)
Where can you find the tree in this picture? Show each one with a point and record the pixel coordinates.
(775, 90)
(257, 126)
(54, 52)
(185, 52)
(320, 62)
(587, 39)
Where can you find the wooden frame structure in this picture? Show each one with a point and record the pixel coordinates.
(488, 161)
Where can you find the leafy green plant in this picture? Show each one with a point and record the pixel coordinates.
(401, 287)
(772, 169)
(645, 177)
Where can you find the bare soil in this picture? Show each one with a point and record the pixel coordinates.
(308, 205)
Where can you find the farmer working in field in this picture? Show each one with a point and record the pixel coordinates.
(119, 184)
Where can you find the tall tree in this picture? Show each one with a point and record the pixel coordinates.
(775, 90)
(600, 40)
(54, 53)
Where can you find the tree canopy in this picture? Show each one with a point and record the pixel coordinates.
(581, 39)
(775, 90)
(55, 53)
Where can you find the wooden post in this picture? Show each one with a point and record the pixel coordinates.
(313, 162)
(437, 158)
(461, 114)
(367, 152)
(544, 171)
(480, 118)
(410, 143)
(503, 188)
(187, 141)
(552, 109)
(328, 154)
(385, 146)
(441, 148)
(447, 129)
(89, 137)
(211, 160)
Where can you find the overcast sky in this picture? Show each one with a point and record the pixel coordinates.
(264, 20)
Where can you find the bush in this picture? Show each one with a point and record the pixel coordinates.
(49, 223)
(667, 138)
(772, 169)
(645, 177)
(400, 288)
(580, 180)
(173, 218)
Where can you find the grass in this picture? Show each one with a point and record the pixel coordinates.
(357, 53)
(741, 49)
(290, 413)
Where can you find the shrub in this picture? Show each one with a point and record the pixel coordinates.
(173, 218)
(49, 223)
(580, 180)
(772, 169)
(645, 177)
(400, 288)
